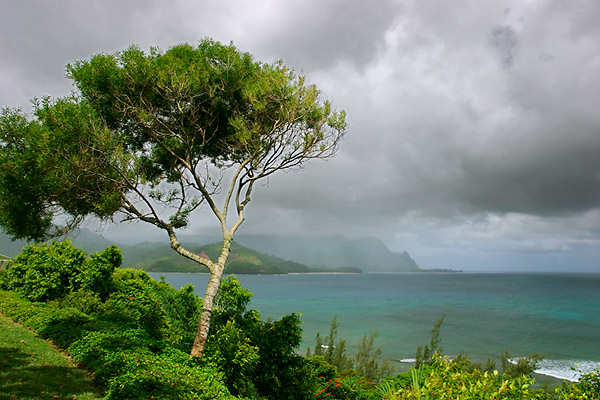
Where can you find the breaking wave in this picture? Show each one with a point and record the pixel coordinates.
(570, 370)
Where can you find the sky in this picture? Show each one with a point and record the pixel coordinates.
(474, 128)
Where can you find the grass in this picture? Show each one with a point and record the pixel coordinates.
(31, 368)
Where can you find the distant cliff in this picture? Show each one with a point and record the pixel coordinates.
(332, 252)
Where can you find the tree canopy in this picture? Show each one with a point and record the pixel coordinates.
(138, 121)
(152, 136)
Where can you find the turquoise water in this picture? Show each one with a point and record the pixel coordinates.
(557, 315)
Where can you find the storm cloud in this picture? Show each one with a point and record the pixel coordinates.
(474, 135)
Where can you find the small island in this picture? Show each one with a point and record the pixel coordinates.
(442, 271)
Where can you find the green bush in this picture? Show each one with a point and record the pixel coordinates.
(138, 301)
(44, 272)
(4, 279)
(96, 273)
(405, 380)
(133, 303)
(320, 370)
(590, 384)
(107, 352)
(520, 366)
(86, 302)
(332, 352)
(588, 387)
(352, 388)
(425, 353)
(132, 365)
(182, 312)
(125, 340)
(50, 271)
(167, 375)
(449, 379)
(65, 326)
(233, 352)
(61, 325)
(268, 365)
(366, 361)
(281, 373)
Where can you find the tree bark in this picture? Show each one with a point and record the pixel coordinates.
(206, 314)
(216, 273)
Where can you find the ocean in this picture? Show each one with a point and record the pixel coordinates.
(556, 315)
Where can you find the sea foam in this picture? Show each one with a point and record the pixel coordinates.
(408, 360)
(570, 370)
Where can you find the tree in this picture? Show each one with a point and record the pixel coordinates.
(332, 352)
(153, 136)
(424, 356)
(365, 361)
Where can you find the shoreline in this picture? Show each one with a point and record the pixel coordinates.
(562, 370)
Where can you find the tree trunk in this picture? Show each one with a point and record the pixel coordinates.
(216, 273)
(206, 314)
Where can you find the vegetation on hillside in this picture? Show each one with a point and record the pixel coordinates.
(152, 136)
(134, 333)
(159, 257)
(242, 260)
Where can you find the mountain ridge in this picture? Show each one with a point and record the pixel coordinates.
(318, 253)
(367, 253)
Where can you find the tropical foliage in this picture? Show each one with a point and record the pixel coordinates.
(151, 136)
(50, 271)
(134, 333)
(366, 363)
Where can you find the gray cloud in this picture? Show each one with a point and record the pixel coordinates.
(506, 42)
(319, 34)
(474, 131)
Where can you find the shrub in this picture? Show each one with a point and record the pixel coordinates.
(425, 353)
(320, 370)
(520, 366)
(107, 352)
(182, 312)
(61, 325)
(132, 365)
(332, 352)
(405, 380)
(168, 375)
(133, 303)
(95, 275)
(351, 388)
(50, 271)
(365, 361)
(268, 365)
(588, 387)
(86, 302)
(236, 357)
(448, 379)
(125, 341)
(590, 384)
(3, 279)
(44, 272)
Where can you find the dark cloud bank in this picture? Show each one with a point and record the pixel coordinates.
(474, 135)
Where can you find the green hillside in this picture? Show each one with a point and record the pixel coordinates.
(242, 260)
(160, 257)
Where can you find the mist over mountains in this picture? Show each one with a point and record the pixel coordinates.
(366, 254)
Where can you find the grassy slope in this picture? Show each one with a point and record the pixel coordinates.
(161, 258)
(31, 368)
